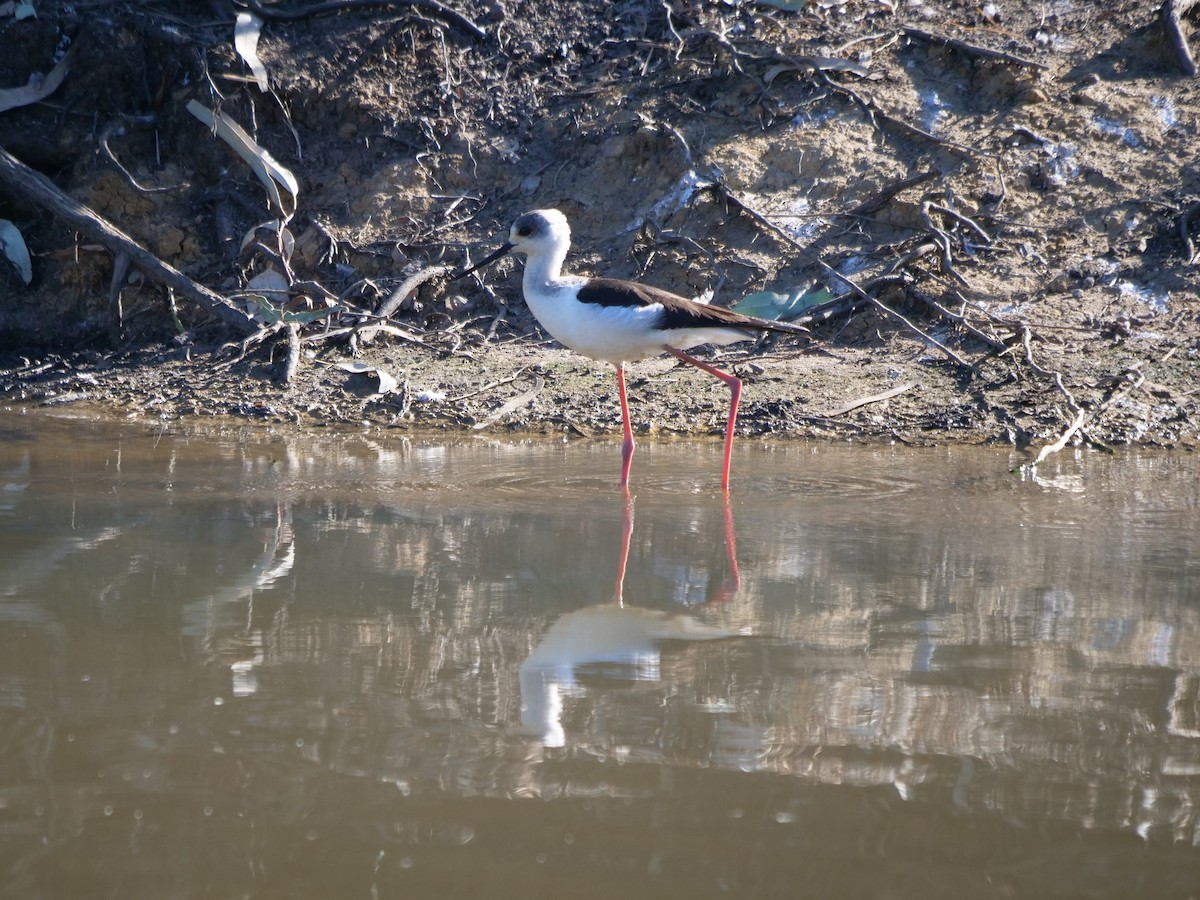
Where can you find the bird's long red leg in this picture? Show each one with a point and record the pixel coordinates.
(728, 588)
(626, 539)
(735, 394)
(627, 447)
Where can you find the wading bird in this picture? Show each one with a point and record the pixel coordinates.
(621, 321)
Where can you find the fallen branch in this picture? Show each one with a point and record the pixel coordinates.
(488, 387)
(725, 192)
(406, 288)
(783, 63)
(293, 357)
(876, 115)
(1072, 429)
(1131, 379)
(960, 218)
(846, 304)
(1026, 336)
(1079, 416)
(368, 328)
(1171, 13)
(116, 307)
(243, 346)
(943, 241)
(959, 319)
(887, 310)
(42, 192)
(886, 193)
(38, 89)
(972, 49)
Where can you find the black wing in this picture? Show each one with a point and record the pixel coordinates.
(678, 312)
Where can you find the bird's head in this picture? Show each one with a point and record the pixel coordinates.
(534, 233)
(542, 229)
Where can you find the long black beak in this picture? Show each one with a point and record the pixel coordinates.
(491, 257)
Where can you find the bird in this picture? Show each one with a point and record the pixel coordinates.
(618, 321)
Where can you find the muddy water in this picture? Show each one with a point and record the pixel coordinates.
(237, 663)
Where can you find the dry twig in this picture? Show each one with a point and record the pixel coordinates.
(367, 328)
(888, 311)
(247, 342)
(887, 192)
(1078, 415)
(972, 49)
(117, 127)
(724, 191)
(1124, 384)
(959, 319)
(876, 115)
(943, 239)
(491, 386)
(116, 307)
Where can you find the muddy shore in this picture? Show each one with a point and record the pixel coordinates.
(1014, 188)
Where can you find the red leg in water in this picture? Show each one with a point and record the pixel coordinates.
(728, 588)
(627, 447)
(735, 394)
(626, 539)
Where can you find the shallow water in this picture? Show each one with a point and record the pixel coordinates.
(243, 663)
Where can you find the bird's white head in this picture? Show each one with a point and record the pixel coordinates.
(542, 235)
(540, 232)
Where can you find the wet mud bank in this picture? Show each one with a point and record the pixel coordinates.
(985, 215)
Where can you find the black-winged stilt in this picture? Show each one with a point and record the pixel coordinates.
(621, 321)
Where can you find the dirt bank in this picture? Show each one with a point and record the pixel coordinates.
(1018, 203)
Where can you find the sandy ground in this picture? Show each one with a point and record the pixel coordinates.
(1018, 205)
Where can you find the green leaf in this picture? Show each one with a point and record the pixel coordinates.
(772, 305)
(265, 311)
(306, 316)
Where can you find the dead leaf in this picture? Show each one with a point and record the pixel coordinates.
(245, 40)
(271, 283)
(272, 174)
(286, 243)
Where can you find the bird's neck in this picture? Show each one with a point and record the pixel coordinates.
(544, 270)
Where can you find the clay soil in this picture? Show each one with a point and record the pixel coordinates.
(1020, 207)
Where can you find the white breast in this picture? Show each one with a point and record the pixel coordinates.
(614, 334)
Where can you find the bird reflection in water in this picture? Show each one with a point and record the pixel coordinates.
(615, 637)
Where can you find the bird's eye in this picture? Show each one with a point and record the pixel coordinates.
(524, 231)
